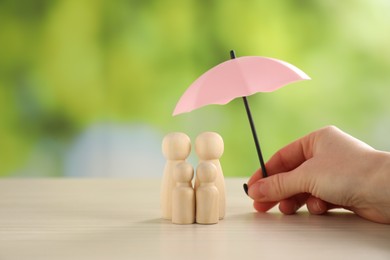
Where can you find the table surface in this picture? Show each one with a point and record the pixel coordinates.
(120, 219)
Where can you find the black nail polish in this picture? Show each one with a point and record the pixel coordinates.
(245, 188)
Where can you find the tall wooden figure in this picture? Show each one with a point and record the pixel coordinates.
(209, 148)
(175, 147)
(207, 195)
(183, 195)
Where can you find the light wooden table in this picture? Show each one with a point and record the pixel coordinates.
(120, 219)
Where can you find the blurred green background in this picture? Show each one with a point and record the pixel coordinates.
(87, 88)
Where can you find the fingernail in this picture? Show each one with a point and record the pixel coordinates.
(317, 207)
(245, 188)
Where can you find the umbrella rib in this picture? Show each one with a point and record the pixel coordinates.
(253, 128)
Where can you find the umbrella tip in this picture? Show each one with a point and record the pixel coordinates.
(232, 54)
(245, 188)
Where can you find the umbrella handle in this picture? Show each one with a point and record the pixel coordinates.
(253, 128)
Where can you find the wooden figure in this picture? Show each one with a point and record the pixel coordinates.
(207, 195)
(209, 148)
(183, 195)
(176, 148)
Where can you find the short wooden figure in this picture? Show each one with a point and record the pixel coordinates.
(183, 195)
(176, 147)
(207, 195)
(209, 147)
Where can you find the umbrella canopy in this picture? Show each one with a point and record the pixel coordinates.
(238, 77)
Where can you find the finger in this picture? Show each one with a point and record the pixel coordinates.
(287, 158)
(291, 205)
(291, 156)
(255, 177)
(317, 206)
(263, 206)
(282, 186)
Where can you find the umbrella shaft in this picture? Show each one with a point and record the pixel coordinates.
(248, 112)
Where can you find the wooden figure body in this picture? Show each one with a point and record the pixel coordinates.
(175, 147)
(183, 195)
(209, 147)
(207, 195)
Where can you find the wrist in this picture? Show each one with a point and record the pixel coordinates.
(378, 196)
(382, 173)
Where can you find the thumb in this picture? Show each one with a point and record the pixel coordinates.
(279, 186)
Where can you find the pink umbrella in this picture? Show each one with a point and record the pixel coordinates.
(239, 77)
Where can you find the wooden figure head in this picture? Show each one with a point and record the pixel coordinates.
(176, 146)
(209, 146)
(183, 173)
(206, 172)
